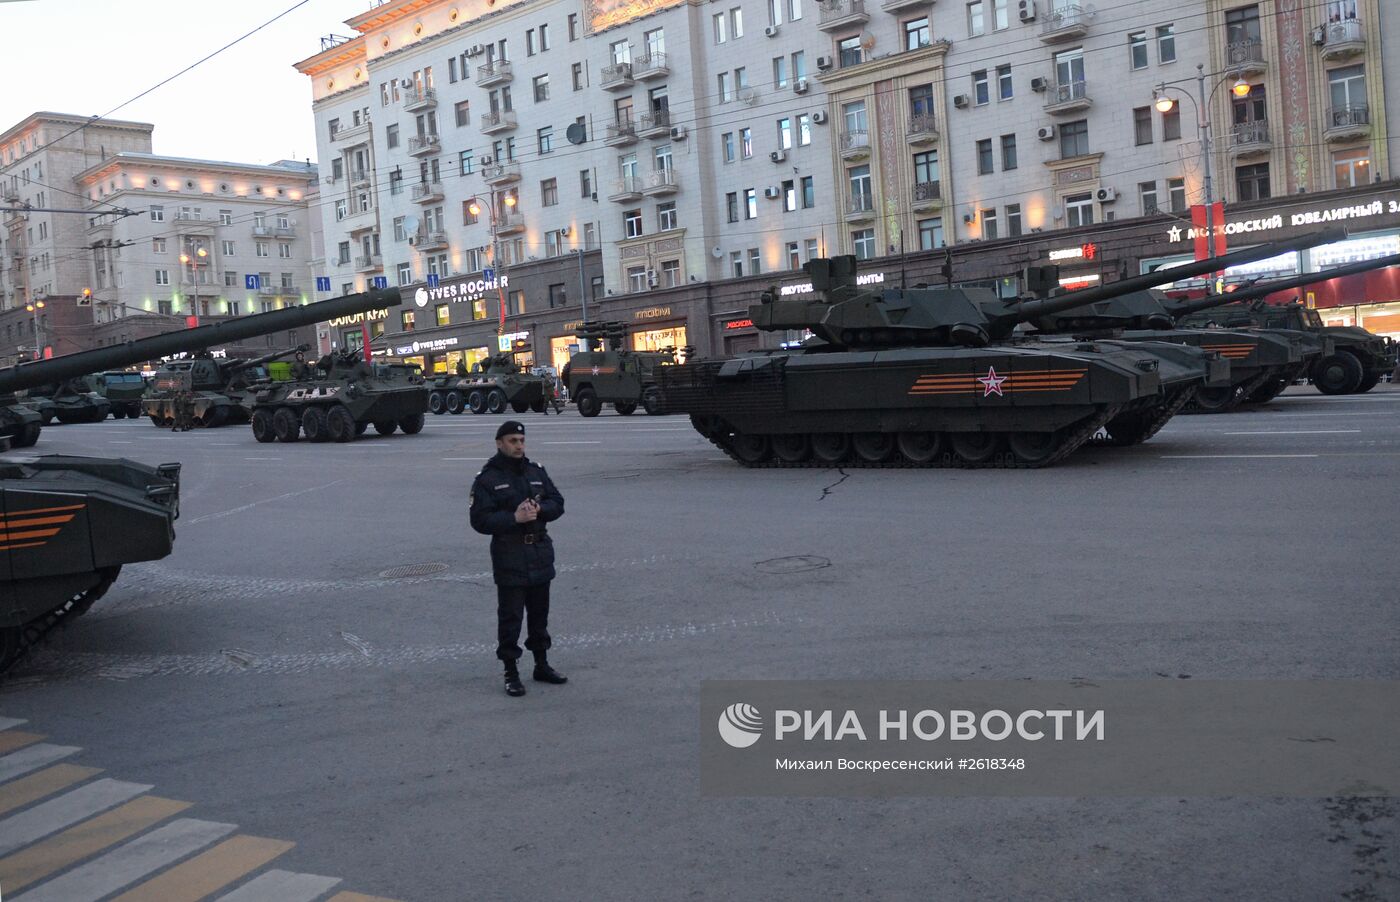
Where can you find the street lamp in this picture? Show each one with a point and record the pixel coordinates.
(193, 262)
(1164, 104)
(34, 307)
(509, 199)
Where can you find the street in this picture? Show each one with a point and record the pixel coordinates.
(315, 662)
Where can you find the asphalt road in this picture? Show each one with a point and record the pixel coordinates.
(274, 674)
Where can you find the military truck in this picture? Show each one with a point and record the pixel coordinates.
(605, 372)
(122, 389)
(221, 391)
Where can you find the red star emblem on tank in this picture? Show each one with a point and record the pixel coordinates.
(595, 371)
(991, 383)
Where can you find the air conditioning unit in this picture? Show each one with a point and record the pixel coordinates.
(1039, 85)
(486, 161)
(771, 31)
(1106, 195)
(678, 133)
(1045, 133)
(772, 192)
(652, 281)
(475, 50)
(778, 156)
(824, 63)
(962, 101)
(800, 86)
(819, 117)
(1026, 10)
(1319, 36)
(405, 82)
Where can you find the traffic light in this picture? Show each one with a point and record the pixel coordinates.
(85, 300)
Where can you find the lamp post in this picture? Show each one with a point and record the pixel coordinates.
(193, 261)
(509, 199)
(1164, 104)
(34, 307)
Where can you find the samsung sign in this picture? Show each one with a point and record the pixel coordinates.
(874, 278)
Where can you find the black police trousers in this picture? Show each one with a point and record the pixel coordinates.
(514, 603)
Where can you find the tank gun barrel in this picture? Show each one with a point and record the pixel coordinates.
(234, 366)
(1261, 289)
(29, 375)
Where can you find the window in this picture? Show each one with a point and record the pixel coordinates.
(530, 42)
(746, 142)
(573, 26)
(755, 262)
(544, 139)
(636, 279)
(775, 12)
(1069, 74)
(916, 33)
(741, 78)
(1008, 152)
(516, 307)
(1137, 50)
(848, 51)
(1351, 168)
(789, 189)
(794, 10)
(465, 162)
(804, 129)
(736, 263)
(585, 183)
(858, 180)
(157, 245)
(260, 248)
(666, 216)
(976, 23)
(655, 41)
(799, 65)
(980, 91)
(1241, 27)
(549, 192)
(721, 29)
(750, 203)
(809, 192)
(989, 224)
(286, 280)
(726, 93)
(544, 37)
(1013, 220)
(1147, 197)
(1347, 87)
(736, 22)
(541, 83)
(1176, 193)
(726, 142)
(1074, 138)
(1171, 124)
(157, 213)
(162, 277)
(343, 254)
(461, 110)
(405, 274)
(1166, 44)
(1252, 182)
(984, 157)
(576, 75)
(785, 133)
(1004, 91)
(1000, 19)
(226, 217)
(228, 248)
(632, 223)
(1079, 210)
(284, 250)
(406, 318)
(780, 72)
(855, 119)
(930, 233)
(921, 101)
(621, 52)
(230, 279)
(811, 249)
(926, 168)
(468, 217)
(333, 127)
(1142, 125)
(863, 241)
(337, 169)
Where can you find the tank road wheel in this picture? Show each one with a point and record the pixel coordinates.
(791, 447)
(437, 405)
(340, 424)
(285, 425)
(495, 401)
(625, 408)
(751, 449)
(1035, 449)
(831, 447)
(1368, 382)
(386, 427)
(920, 447)
(476, 401)
(455, 403)
(1215, 400)
(976, 447)
(313, 423)
(873, 447)
(262, 425)
(412, 424)
(519, 406)
(587, 401)
(1340, 374)
(651, 401)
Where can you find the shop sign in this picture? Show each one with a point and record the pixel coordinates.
(369, 316)
(1307, 217)
(424, 347)
(1083, 252)
(459, 292)
(503, 342)
(573, 326)
(652, 313)
(870, 278)
(739, 324)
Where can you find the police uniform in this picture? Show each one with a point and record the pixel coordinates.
(522, 554)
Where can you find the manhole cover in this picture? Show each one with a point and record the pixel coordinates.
(794, 564)
(411, 570)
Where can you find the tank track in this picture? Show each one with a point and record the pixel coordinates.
(1003, 460)
(1149, 427)
(1242, 393)
(17, 641)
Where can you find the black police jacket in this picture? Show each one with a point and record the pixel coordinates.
(522, 554)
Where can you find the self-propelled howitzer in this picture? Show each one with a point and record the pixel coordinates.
(220, 391)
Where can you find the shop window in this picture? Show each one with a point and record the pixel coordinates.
(443, 315)
(407, 320)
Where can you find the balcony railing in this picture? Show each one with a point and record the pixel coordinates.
(1344, 122)
(860, 206)
(359, 177)
(629, 187)
(655, 123)
(352, 132)
(419, 99)
(493, 73)
(262, 231)
(1342, 39)
(430, 241)
(424, 144)
(617, 76)
(1067, 97)
(508, 222)
(500, 173)
(926, 192)
(661, 181)
(1245, 134)
(834, 14)
(922, 129)
(286, 231)
(653, 65)
(271, 290)
(497, 121)
(855, 142)
(622, 132)
(427, 191)
(1246, 55)
(1063, 23)
(369, 262)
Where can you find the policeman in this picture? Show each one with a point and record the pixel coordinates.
(511, 501)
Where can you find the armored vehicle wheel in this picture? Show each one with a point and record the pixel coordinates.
(118, 413)
(873, 447)
(976, 447)
(155, 419)
(340, 424)
(216, 416)
(1035, 448)
(920, 447)
(412, 424)
(313, 423)
(651, 402)
(588, 402)
(1268, 391)
(360, 428)
(791, 447)
(262, 425)
(28, 435)
(285, 425)
(1340, 374)
(519, 406)
(537, 405)
(625, 408)
(495, 401)
(455, 403)
(1368, 382)
(48, 418)
(386, 427)
(1215, 400)
(437, 405)
(751, 449)
(476, 401)
(831, 447)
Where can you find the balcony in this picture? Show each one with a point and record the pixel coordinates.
(423, 145)
(1246, 57)
(1343, 39)
(928, 196)
(97, 225)
(510, 222)
(860, 208)
(653, 65)
(427, 192)
(621, 134)
(354, 134)
(626, 189)
(1069, 98)
(922, 130)
(496, 72)
(286, 231)
(497, 121)
(415, 99)
(660, 183)
(1064, 23)
(271, 291)
(617, 76)
(430, 241)
(855, 145)
(833, 15)
(359, 178)
(501, 173)
(369, 263)
(656, 124)
(1346, 123)
(1250, 139)
(898, 6)
(262, 231)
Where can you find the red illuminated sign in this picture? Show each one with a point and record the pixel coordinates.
(1090, 251)
(739, 324)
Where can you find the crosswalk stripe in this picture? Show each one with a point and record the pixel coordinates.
(19, 830)
(7, 722)
(14, 739)
(29, 866)
(357, 897)
(34, 787)
(205, 873)
(123, 866)
(33, 758)
(282, 886)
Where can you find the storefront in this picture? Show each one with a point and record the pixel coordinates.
(563, 347)
(739, 335)
(658, 329)
(347, 331)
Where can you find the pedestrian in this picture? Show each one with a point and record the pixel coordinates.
(511, 501)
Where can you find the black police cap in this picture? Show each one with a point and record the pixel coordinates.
(510, 427)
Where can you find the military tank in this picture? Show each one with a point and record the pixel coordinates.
(605, 372)
(929, 377)
(338, 403)
(70, 401)
(492, 385)
(20, 420)
(220, 391)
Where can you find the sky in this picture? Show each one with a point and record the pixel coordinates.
(246, 105)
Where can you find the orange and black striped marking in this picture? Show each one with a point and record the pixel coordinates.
(1018, 381)
(34, 527)
(1231, 352)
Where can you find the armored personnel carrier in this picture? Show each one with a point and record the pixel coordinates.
(492, 385)
(605, 372)
(71, 402)
(932, 377)
(220, 391)
(339, 403)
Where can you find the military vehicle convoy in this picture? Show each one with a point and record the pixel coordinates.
(492, 385)
(935, 377)
(338, 403)
(220, 391)
(605, 372)
(70, 401)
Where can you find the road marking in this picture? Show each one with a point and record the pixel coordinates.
(124, 866)
(228, 444)
(238, 510)
(462, 458)
(262, 458)
(356, 897)
(204, 874)
(10, 740)
(33, 864)
(33, 758)
(569, 443)
(46, 782)
(120, 443)
(1226, 456)
(282, 886)
(35, 823)
(1297, 432)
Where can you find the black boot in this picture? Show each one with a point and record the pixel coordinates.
(546, 674)
(514, 687)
